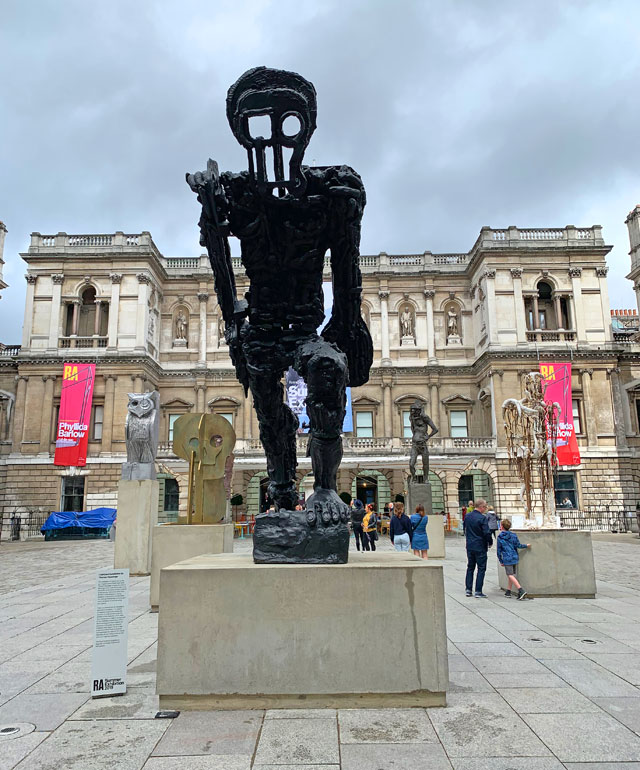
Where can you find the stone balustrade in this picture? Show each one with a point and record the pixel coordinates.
(9, 350)
(83, 342)
(551, 335)
(515, 237)
(61, 243)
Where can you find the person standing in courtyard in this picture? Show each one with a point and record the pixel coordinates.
(400, 528)
(370, 526)
(494, 524)
(508, 545)
(420, 539)
(357, 516)
(478, 541)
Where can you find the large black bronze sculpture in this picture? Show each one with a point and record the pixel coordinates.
(286, 220)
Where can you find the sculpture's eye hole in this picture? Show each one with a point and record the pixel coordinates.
(260, 127)
(135, 403)
(216, 440)
(291, 126)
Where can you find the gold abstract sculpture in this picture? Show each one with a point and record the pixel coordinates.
(206, 441)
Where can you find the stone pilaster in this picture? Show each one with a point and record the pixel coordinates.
(575, 273)
(107, 425)
(47, 413)
(431, 331)
(18, 414)
(56, 300)
(384, 325)
(144, 282)
(589, 417)
(28, 311)
(203, 296)
(116, 278)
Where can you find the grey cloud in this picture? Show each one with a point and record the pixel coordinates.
(457, 115)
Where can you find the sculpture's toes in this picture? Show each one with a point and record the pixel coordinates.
(335, 514)
(344, 515)
(326, 516)
(312, 519)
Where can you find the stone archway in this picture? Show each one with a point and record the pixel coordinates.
(255, 492)
(474, 484)
(381, 492)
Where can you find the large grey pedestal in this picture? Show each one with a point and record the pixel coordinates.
(559, 563)
(137, 516)
(238, 635)
(176, 542)
(420, 494)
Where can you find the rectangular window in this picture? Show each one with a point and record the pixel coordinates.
(577, 425)
(172, 421)
(458, 422)
(566, 491)
(543, 319)
(406, 425)
(72, 493)
(98, 419)
(171, 495)
(364, 424)
(228, 416)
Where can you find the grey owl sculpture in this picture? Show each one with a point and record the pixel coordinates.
(141, 432)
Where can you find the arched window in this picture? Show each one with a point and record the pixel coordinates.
(547, 313)
(87, 317)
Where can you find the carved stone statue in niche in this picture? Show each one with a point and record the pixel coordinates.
(182, 325)
(407, 327)
(453, 334)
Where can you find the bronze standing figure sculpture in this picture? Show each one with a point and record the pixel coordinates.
(421, 424)
(287, 218)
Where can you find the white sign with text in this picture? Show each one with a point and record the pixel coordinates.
(109, 662)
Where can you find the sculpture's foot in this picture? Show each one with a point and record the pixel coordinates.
(319, 535)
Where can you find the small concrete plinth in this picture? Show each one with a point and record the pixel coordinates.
(176, 542)
(137, 516)
(238, 635)
(559, 563)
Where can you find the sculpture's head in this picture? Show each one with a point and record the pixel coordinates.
(416, 407)
(140, 404)
(288, 101)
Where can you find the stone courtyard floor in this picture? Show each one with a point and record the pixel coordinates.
(535, 685)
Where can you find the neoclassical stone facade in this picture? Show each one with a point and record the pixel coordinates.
(456, 331)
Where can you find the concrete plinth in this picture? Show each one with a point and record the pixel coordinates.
(176, 542)
(137, 516)
(559, 563)
(238, 635)
(420, 494)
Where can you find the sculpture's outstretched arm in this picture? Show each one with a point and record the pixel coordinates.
(346, 328)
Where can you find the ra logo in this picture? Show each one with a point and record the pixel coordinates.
(98, 684)
(70, 373)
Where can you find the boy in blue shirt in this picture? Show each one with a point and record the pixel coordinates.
(508, 545)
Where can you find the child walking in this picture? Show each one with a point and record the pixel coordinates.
(508, 545)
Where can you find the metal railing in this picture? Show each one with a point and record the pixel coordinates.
(606, 518)
(22, 526)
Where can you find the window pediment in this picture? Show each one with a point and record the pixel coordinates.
(176, 403)
(458, 401)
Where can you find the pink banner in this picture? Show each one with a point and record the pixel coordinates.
(557, 379)
(72, 437)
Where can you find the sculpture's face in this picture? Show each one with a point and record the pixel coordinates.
(139, 404)
(288, 102)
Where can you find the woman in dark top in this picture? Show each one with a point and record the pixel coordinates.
(357, 515)
(400, 529)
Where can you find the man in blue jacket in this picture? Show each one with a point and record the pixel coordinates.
(479, 539)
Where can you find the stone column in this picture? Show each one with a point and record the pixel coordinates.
(589, 416)
(47, 413)
(200, 391)
(107, 424)
(137, 383)
(18, 413)
(387, 414)
(621, 416)
(436, 412)
(601, 273)
(96, 320)
(492, 316)
(203, 296)
(384, 325)
(576, 284)
(495, 390)
(75, 321)
(28, 311)
(141, 317)
(56, 298)
(246, 417)
(536, 313)
(431, 331)
(113, 309)
(636, 288)
(558, 310)
(521, 321)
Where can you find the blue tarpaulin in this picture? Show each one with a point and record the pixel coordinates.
(99, 518)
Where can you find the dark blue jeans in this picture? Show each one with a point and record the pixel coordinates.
(476, 559)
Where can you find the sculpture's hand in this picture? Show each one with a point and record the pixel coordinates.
(355, 342)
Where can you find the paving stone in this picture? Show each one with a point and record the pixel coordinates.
(298, 741)
(380, 756)
(483, 725)
(300, 714)
(385, 726)
(227, 762)
(589, 644)
(627, 667)
(512, 763)
(544, 680)
(131, 705)
(625, 710)
(124, 745)
(14, 680)
(468, 681)
(586, 737)
(460, 663)
(470, 635)
(482, 649)
(602, 765)
(590, 679)
(45, 711)
(211, 732)
(509, 665)
(13, 751)
(544, 700)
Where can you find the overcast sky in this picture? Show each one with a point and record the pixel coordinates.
(456, 113)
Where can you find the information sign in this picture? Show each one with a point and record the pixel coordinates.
(109, 661)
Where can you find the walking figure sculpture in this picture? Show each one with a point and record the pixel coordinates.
(420, 424)
(286, 220)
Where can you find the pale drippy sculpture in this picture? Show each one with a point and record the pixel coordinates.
(287, 218)
(531, 427)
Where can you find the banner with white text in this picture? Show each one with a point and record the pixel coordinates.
(557, 381)
(72, 435)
